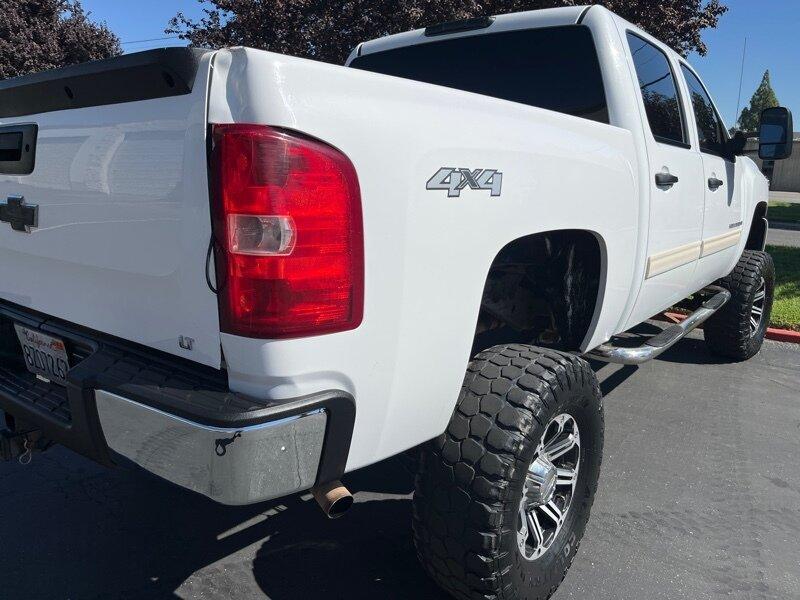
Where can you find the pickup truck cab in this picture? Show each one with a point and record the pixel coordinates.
(251, 274)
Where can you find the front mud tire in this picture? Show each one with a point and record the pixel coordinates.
(471, 479)
(737, 330)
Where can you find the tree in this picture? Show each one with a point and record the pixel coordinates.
(329, 30)
(44, 34)
(764, 97)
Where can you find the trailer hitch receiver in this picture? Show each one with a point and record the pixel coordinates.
(21, 445)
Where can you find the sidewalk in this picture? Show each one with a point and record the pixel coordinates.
(790, 197)
(784, 234)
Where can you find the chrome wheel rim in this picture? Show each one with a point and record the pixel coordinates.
(757, 308)
(549, 487)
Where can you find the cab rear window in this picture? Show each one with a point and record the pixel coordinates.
(554, 68)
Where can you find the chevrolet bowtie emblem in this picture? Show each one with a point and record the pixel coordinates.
(22, 217)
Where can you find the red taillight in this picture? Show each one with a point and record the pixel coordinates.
(289, 238)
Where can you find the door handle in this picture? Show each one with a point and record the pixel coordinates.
(666, 179)
(714, 183)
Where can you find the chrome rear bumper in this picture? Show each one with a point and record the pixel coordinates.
(127, 404)
(241, 465)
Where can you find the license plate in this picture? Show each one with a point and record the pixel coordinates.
(45, 355)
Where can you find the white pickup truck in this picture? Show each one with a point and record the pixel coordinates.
(251, 274)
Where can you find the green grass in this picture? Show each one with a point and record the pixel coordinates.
(786, 309)
(784, 211)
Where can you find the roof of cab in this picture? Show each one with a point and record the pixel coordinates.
(549, 17)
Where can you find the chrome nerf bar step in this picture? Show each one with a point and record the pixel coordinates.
(666, 338)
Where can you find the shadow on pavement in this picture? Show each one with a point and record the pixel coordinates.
(611, 381)
(120, 534)
(367, 554)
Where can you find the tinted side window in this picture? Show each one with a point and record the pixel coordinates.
(659, 92)
(554, 68)
(709, 125)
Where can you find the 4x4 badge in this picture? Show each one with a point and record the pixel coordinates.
(22, 217)
(455, 180)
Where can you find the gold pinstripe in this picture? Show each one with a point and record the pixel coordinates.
(676, 257)
(720, 242)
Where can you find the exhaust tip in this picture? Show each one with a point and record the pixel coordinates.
(333, 498)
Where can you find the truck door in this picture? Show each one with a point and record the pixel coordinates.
(722, 215)
(675, 182)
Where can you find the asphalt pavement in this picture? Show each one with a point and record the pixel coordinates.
(699, 498)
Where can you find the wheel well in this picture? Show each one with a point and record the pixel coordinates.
(542, 289)
(758, 228)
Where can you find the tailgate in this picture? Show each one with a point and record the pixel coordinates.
(119, 178)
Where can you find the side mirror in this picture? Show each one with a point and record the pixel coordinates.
(775, 134)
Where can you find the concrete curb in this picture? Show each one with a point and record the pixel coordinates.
(773, 333)
(783, 335)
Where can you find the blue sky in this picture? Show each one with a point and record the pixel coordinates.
(772, 28)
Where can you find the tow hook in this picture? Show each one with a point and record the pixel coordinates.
(21, 445)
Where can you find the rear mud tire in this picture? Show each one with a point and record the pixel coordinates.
(471, 479)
